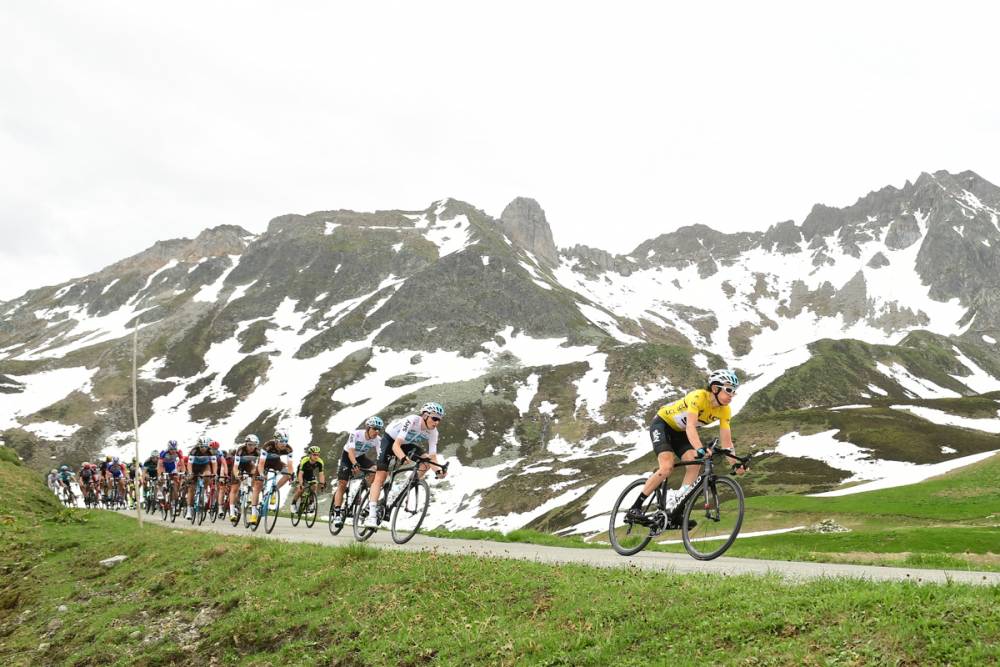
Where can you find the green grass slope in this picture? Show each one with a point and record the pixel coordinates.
(186, 598)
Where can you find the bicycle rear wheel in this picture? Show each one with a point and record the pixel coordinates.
(296, 514)
(271, 507)
(718, 509)
(360, 514)
(628, 537)
(408, 511)
(312, 508)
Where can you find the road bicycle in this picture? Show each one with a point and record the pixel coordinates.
(354, 494)
(270, 502)
(709, 515)
(200, 500)
(409, 496)
(308, 507)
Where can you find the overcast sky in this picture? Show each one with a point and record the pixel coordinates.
(122, 123)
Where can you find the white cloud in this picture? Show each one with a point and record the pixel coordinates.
(163, 119)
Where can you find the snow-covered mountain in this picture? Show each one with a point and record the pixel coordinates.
(549, 361)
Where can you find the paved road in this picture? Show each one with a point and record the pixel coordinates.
(676, 563)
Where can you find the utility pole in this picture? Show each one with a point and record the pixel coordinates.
(135, 418)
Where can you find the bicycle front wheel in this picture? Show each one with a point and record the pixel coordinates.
(718, 509)
(626, 535)
(409, 510)
(360, 514)
(271, 507)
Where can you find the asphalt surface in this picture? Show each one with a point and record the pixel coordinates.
(657, 561)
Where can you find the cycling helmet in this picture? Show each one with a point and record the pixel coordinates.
(314, 450)
(723, 376)
(154, 453)
(114, 460)
(281, 436)
(374, 422)
(214, 444)
(54, 471)
(433, 408)
(172, 444)
(251, 439)
(204, 441)
(107, 459)
(64, 468)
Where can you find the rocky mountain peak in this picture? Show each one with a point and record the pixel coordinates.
(524, 223)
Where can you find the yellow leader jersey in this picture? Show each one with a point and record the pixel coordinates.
(700, 401)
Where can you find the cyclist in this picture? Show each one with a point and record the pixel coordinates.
(169, 466)
(227, 472)
(202, 459)
(310, 467)
(64, 479)
(675, 431)
(148, 470)
(104, 478)
(133, 470)
(353, 458)
(245, 459)
(52, 481)
(116, 476)
(87, 475)
(273, 450)
(402, 441)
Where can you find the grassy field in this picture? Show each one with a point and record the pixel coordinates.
(949, 522)
(196, 598)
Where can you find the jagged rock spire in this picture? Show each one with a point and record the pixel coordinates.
(524, 223)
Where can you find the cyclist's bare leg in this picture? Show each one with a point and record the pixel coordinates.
(665, 461)
(338, 497)
(376, 488)
(690, 472)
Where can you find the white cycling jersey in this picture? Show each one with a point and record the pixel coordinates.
(414, 433)
(362, 445)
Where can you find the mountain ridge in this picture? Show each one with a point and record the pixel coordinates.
(550, 360)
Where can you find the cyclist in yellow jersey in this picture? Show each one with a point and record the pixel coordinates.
(675, 430)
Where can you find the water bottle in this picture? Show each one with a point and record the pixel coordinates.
(671, 499)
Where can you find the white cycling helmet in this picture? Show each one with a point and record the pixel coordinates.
(374, 422)
(723, 376)
(433, 408)
(251, 439)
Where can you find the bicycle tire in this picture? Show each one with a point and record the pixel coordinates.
(272, 517)
(244, 507)
(410, 505)
(295, 515)
(313, 505)
(711, 499)
(360, 512)
(628, 544)
(203, 503)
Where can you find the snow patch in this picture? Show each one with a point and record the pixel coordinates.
(948, 419)
(920, 387)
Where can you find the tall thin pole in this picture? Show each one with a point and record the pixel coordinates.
(135, 419)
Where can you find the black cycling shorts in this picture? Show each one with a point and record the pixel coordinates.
(345, 470)
(198, 469)
(666, 439)
(385, 456)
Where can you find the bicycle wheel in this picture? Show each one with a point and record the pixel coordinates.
(312, 508)
(409, 510)
(203, 503)
(628, 537)
(717, 508)
(296, 515)
(272, 507)
(244, 506)
(360, 514)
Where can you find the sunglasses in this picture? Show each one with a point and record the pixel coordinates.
(729, 390)
(435, 419)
